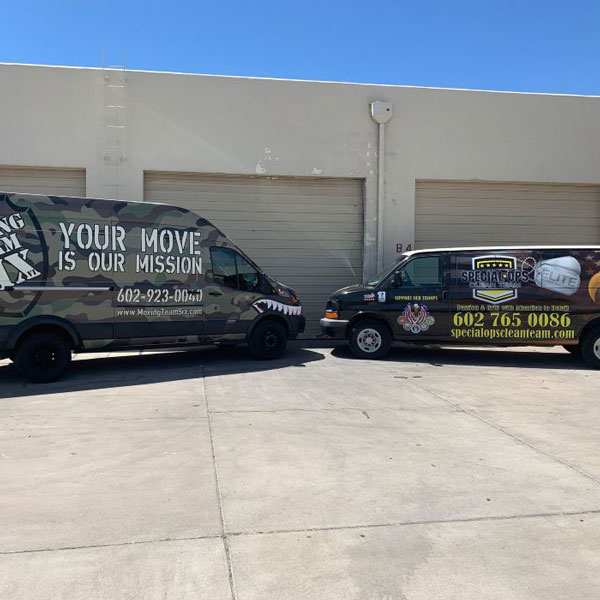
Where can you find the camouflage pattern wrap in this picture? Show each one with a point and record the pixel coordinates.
(124, 273)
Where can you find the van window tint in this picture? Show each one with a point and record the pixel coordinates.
(232, 270)
(223, 266)
(422, 272)
(247, 275)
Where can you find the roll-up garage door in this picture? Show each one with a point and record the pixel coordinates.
(460, 213)
(305, 232)
(43, 180)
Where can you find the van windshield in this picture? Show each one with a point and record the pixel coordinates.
(385, 272)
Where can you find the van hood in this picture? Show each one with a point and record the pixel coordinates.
(282, 290)
(285, 290)
(350, 289)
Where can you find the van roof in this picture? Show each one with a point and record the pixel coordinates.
(499, 248)
(94, 198)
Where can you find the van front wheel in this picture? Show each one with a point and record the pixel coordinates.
(369, 339)
(43, 357)
(590, 348)
(268, 340)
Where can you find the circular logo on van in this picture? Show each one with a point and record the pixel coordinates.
(23, 256)
(415, 318)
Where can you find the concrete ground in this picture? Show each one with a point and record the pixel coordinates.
(435, 474)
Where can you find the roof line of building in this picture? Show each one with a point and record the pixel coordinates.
(319, 81)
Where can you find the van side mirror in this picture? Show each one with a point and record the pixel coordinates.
(396, 280)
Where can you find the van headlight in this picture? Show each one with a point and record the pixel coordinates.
(332, 310)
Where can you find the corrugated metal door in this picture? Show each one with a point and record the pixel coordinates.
(305, 232)
(43, 180)
(462, 213)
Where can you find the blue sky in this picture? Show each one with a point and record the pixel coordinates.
(524, 45)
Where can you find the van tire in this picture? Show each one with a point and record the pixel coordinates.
(590, 347)
(43, 357)
(268, 340)
(370, 334)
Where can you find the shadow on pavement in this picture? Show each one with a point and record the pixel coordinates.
(90, 372)
(476, 357)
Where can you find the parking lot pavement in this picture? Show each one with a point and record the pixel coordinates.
(437, 473)
(164, 569)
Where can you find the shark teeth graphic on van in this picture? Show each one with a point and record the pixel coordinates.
(266, 304)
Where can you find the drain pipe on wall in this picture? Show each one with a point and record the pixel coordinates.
(381, 113)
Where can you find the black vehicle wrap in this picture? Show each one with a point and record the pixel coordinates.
(536, 296)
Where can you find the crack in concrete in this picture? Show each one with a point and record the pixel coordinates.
(548, 515)
(505, 432)
(423, 522)
(332, 409)
(111, 545)
(218, 490)
(30, 426)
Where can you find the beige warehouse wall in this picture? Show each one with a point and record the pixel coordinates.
(54, 116)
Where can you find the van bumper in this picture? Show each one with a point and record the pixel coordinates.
(334, 329)
(297, 325)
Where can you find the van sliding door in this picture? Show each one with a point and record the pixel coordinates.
(159, 294)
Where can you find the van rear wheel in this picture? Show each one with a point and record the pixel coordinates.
(43, 357)
(590, 348)
(268, 340)
(369, 339)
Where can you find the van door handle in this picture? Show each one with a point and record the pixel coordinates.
(445, 295)
(215, 293)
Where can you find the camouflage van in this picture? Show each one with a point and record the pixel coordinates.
(541, 295)
(82, 274)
